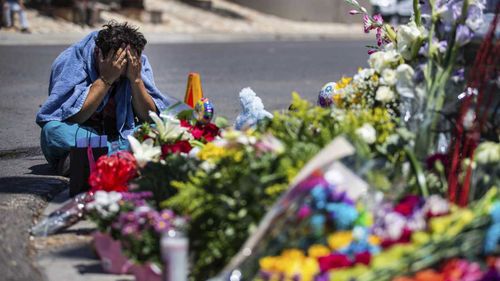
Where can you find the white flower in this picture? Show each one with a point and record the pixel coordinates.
(469, 118)
(384, 59)
(395, 224)
(193, 153)
(168, 127)
(105, 203)
(364, 74)
(207, 166)
(367, 133)
(488, 153)
(404, 77)
(416, 222)
(389, 77)
(384, 94)
(407, 36)
(436, 205)
(144, 152)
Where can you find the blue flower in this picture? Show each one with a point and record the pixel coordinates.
(495, 213)
(343, 214)
(318, 223)
(492, 238)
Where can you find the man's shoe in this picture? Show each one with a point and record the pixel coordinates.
(63, 167)
(25, 30)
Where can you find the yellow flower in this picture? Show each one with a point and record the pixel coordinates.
(337, 100)
(463, 218)
(211, 152)
(339, 240)
(268, 263)
(374, 240)
(420, 238)
(316, 251)
(347, 273)
(293, 254)
(390, 258)
(438, 225)
(342, 83)
(310, 269)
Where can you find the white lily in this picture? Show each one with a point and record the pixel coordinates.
(168, 127)
(144, 152)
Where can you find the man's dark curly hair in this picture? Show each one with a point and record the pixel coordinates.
(114, 34)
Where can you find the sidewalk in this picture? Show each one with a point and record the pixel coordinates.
(184, 23)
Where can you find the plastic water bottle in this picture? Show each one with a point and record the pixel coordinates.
(174, 251)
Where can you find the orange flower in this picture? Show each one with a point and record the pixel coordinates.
(429, 275)
(404, 278)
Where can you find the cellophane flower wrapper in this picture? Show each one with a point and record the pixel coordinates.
(64, 217)
(331, 225)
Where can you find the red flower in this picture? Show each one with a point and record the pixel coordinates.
(113, 173)
(185, 124)
(364, 258)
(210, 132)
(333, 261)
(407, 206)
(197, 132)
(182, 146)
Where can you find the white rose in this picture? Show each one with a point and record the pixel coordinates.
(406, 37)
(384, 94)
(376, 60)
(367, 133)
(404, 77)
(364, 74)
(382, 60)
(389, 77)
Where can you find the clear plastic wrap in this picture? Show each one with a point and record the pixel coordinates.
(64, 217)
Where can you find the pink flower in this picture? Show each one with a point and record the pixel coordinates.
(354, 12)
(304, 212)
(367, 23)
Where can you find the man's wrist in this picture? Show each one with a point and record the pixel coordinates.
(108, 83)
(137, 81)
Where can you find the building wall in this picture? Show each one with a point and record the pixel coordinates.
(306, 10)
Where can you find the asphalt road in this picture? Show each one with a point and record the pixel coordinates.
(272, 69)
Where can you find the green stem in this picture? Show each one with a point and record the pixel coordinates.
(418, 13)
(419, 174)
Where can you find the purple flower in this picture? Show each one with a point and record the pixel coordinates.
(458, 75)
(463, 36)
(450, 12)
(475, 17)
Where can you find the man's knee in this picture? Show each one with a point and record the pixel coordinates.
(58, 134)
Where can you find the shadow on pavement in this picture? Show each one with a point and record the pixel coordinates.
(44, 187)
(42, 170)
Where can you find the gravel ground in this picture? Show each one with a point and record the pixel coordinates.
(25, 190)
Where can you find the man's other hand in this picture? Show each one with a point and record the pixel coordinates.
(134, 65)
(115, 63)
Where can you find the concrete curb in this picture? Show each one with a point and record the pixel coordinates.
(11, 39)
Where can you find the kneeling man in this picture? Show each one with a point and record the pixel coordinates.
(101, 85)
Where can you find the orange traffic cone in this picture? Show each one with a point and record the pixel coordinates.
(193, 90)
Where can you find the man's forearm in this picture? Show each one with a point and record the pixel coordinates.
(96, 94)
(142, 100)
